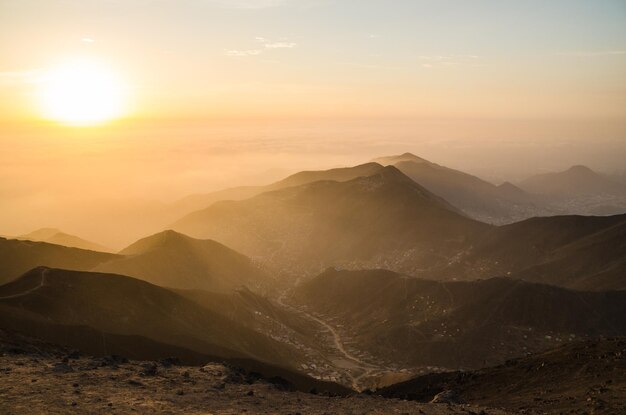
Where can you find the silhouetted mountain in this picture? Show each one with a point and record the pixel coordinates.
(200, 201)
(124, 306)
(384, 220)
(575, 181)
(476, 197)
(19, 256)
(416, 322)
(174, 260)
(55, 236)
(580, 377)
(570, 251)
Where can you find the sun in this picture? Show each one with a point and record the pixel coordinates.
(82, 92)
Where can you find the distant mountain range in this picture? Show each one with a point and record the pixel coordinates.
(575, 181)
(476, 197)
(55, 236)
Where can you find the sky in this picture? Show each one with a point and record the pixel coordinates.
(325, 58)
(218, 93)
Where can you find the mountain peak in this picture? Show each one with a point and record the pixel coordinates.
(390, 160)
(42, 233)
(580, 169)
(163, 238)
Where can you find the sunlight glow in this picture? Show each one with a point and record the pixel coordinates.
(82, 92)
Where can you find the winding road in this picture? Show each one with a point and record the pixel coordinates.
(367, 368)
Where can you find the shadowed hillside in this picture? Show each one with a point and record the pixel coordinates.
(458, 324)
(120, 305)
(174, 260)
(581, 377)
(384, 220)
(571, 251)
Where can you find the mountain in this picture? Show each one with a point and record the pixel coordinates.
(579, 190)
(44, 299)
(174, 260)
(476, 197)
(385, 219)
(19, 256)
(392, 160)
(579, 377)
(575, 181)
(581, 252)
(199, 201)
(55, 236)
(413, 322)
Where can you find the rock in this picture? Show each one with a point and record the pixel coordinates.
(447, 396)
(112, 361)
(170, 361)
(62, 367)
(149, 369)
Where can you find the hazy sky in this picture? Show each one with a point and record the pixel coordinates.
(229, 92)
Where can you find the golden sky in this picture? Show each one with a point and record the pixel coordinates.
(322, 58)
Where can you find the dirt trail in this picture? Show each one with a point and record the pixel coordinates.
(44, 273)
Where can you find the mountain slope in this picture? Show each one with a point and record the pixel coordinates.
(384, 219)
(120, 305)
(458, 324)
(19, 256)
(476, 197)
(570, 251)
(55, 236)
(200, 201)
(581, 377)
(174, 260)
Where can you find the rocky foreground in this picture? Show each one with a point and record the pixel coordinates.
(37, 379)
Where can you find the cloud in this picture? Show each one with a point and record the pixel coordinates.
(584, 54)
(431, 61)
(265, 43)
(250, 52)
(280, 45)
(268, 44)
